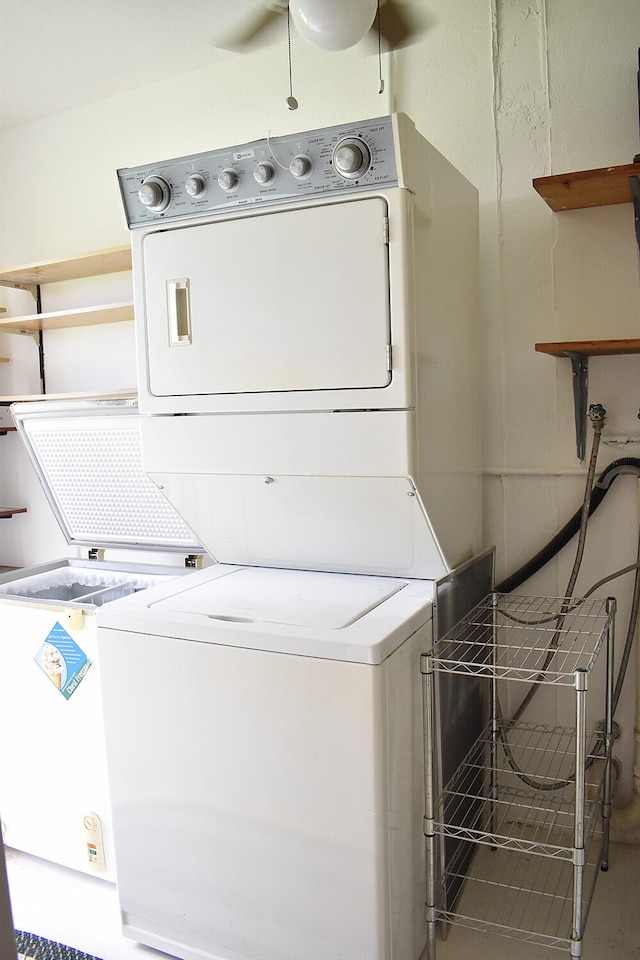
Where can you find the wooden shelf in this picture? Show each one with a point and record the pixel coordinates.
(578, 352)
(587, 188)
(98, 263)
(84, 316)
(589, 348)
(574, 191)
(112, 260)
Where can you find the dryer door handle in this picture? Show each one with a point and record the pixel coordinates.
(179, 311)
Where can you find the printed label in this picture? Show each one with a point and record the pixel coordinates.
(63, 661)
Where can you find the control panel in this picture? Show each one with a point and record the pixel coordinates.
(350, 157)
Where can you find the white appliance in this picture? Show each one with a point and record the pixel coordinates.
(265, 758)
(54, 797)
(308, 378)
(312, 301)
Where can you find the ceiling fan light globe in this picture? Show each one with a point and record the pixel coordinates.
(333, 24)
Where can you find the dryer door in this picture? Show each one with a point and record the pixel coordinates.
(291, 300)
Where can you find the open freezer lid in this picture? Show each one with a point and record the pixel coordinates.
(88, 458)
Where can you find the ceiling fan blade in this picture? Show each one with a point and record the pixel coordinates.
(400, 24)
(256, 29)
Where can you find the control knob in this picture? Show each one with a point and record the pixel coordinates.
(300, 166)
(228, 179)
(264, 173)
(155, 193)
(351, 158)
(195, 185)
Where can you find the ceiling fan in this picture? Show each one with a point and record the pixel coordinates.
(329, 24)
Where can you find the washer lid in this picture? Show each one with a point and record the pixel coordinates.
(88, 457)
(326, 601)
(334, 616)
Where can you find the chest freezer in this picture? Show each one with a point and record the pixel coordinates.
(54, 796)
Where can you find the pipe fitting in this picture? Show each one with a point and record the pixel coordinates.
(597, 415)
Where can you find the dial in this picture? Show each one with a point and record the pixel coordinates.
(264, 173)
(195, 185)
(228, 179)
(300, 166)
(351, 158)
(155, 193)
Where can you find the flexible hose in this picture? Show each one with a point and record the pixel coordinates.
(597, 747)
(592, 498)
(631, 631)
(621, 466)
(598, 424)
(597, 416)
(624, 465)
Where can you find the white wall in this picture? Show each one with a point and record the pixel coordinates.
(508, 90)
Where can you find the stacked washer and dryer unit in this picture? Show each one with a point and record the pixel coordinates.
(308, 383)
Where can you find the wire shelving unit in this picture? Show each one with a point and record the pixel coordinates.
(517, 834)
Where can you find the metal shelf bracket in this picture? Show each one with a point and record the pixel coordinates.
(634, 183)
(580, 370)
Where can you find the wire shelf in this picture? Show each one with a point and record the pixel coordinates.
(526, 897)
(533, 639)
(517, 833)
(536, 816)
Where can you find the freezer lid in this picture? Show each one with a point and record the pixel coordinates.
(88, 458)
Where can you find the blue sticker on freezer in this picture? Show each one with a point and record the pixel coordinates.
(63, 661)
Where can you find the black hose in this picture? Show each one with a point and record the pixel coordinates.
(631, 632)
(576, 523)
(583, 522)
(562, 538)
